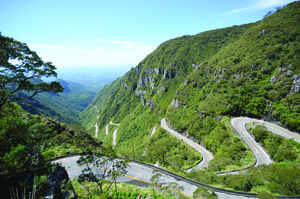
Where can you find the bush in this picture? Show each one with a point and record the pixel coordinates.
(48, 154)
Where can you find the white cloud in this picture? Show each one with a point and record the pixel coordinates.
(124, 53)
(259, 5)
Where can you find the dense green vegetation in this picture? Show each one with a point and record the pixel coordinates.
(279, 148)
(120, 102)
(278, 178)
(24, 137)
(198, 82)
(124, 191)
(92, 111)
(19, 69)
(64, 107)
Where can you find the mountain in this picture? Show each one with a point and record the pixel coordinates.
(64, 107)
(198, 82)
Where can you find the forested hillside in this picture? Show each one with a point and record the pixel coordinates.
(198, 82)
(64, 107)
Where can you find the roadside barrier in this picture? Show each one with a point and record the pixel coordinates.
(230, 193)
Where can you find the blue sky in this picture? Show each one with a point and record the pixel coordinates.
(77, 33)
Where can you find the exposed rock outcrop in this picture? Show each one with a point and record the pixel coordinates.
(296, 84)
(152, 86)
(273, 79)
(175, 103)
(143, 80)
(138, 70)
(221, 74)
(150, 103)
(56, 182)
(167, 74)
(126, 86)
(162, 88)
(196, 66)
(238, 76)
(263, 31)
(157, 71)
(140, 92)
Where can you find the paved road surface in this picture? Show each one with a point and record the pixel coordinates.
(96, 134)
(140, 174)
(114, 133)
(153, 131)
(207, 156)
(114, 137)
(261, 155)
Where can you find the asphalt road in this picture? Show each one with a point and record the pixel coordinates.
(136, 174)
(140, 175)
(207, 156)
(261, 155)
(281, 131)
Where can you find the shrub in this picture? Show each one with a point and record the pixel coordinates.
(48, 154)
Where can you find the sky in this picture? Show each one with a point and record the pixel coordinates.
(97, 33)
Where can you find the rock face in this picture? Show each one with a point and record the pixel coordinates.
(238, 76)
(196, 66)
(157, 71)
(56, 181)
(175, 103)
(168, 74)
(140, 92)
(162, 88)
(143, 80)
(296, 84)
(263, 31)
(126, 86)
(137, 70)
(150, 103)
(221, 74)
(273, 79)
(148, 78)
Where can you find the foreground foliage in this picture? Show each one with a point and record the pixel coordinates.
(279, 148)
(19, 67)
(23, 138)
(278, 178)
(123, 190)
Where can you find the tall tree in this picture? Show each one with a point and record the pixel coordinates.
(19, 67)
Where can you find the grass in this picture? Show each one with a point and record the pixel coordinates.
(124, 191)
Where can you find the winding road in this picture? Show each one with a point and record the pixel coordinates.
(206, 155)
(114, 133)
(141, 173)
(239, 125)
(96, 126)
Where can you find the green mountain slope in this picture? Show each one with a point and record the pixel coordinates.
(199, 82)
(64, 107)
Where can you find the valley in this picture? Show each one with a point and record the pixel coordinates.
(198, 84)
(215, 114)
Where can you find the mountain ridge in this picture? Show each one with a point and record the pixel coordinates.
(198, 82)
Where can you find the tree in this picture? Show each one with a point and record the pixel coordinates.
(20, 68)
(265, 195)
(103, 169)
(204, 192)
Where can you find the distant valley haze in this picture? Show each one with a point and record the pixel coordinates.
(93, 77)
